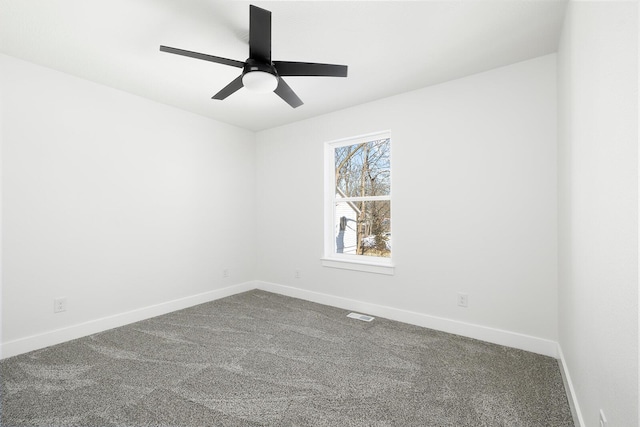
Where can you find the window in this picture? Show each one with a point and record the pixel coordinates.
(358, 203)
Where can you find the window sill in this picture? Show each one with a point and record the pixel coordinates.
(384, 267)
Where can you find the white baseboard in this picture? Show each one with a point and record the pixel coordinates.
(497, 336)
(46, 339)
(571, 394)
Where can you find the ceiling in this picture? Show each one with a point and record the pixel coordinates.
(390, 47)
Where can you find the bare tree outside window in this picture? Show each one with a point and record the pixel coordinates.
(363, 197)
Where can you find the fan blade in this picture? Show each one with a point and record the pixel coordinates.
(202, 56)
(287, 68)
(285, 92)
(259, 34)
(229, 89)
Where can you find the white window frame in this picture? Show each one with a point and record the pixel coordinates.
(370, 264)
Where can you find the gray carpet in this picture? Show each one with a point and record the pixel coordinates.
(257, 359)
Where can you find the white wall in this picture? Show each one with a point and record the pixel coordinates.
(598, 208)
(474, 200)
(113, 201)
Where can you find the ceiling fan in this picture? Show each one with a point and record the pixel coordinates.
(259, 72)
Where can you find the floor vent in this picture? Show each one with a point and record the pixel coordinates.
(359, 316)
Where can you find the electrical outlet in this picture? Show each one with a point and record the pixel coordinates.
(59, 305)
(463, 299)
(603, 419)
(226, 273)
(296, 274)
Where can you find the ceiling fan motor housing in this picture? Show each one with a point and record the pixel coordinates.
(252, 65)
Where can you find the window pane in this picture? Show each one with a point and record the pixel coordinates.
(363, 169)
(363, 228)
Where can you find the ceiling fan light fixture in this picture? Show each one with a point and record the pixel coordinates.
(260, 81)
